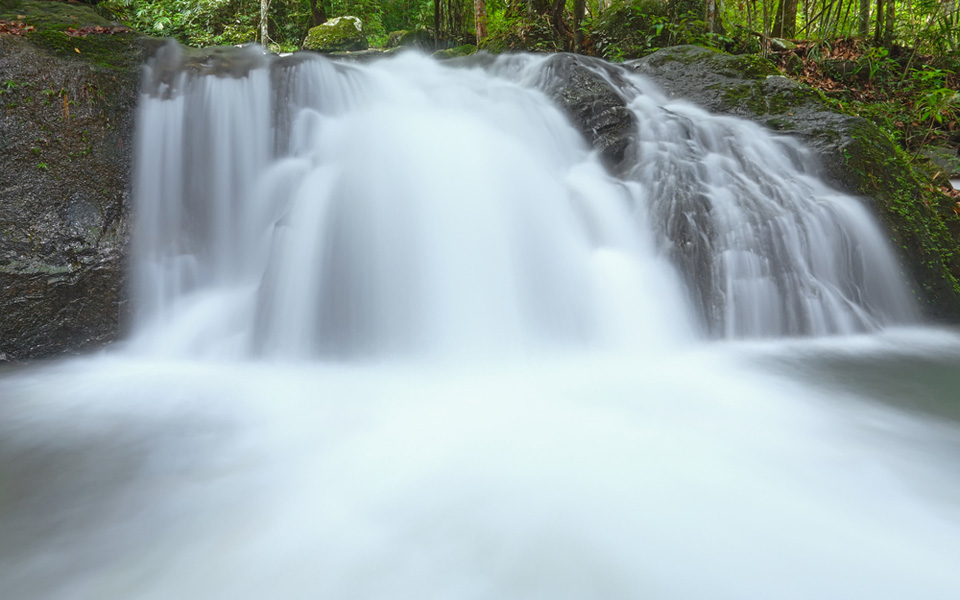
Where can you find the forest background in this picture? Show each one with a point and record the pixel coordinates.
(895, 62)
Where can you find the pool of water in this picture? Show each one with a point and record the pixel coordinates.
(792, 469)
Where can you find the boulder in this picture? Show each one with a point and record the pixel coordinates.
(342, 34)
(417, 38)
(66, 135)
(456, 52)
(586, 89)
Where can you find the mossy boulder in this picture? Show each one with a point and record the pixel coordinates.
(464, 50)
(67, 106)
(857, 156)
(342, 34)
(416, 38)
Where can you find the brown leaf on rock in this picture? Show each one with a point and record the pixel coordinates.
(15, 27)
(94, 29)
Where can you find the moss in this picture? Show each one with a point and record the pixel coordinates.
(780, 124)
(115, 51)
(464, 50)
(921, 218)
(52, 19)
(747, 96)
(47, 14)
(418, 38)
(752, 66)
(342, 34)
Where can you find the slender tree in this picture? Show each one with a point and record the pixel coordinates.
(785, 22)
(713, 20)
(889, 24)
(480, 15)
(264, 7)
(863, 28)
(579, 10)
(318, 12)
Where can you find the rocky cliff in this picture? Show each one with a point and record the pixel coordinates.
(68, 89)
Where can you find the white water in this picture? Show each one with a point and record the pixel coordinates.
(399, 335)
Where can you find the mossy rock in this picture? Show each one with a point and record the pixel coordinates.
(342, 34)
(65, 143)
(393, 38)
(417, 38)
(464, 50)
(855, 154)
(52, 19)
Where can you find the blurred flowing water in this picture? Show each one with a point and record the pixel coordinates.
(399, 334)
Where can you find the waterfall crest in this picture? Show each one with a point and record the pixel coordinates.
(299, 207)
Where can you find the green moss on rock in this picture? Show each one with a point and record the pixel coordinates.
(920, 217)
(342, 34)
(51, 21)
(464, 50)
(417, 38)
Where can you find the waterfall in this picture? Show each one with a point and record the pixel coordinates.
(401, 332)
(299, 207)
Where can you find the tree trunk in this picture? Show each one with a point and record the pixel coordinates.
(436, 24)
(556, 18)
(714, 25)
(318, 13)
(863, 29)
(480, 14)
(579, 10)
(687, 8)
(264, 5)
(889, 22)
(785, 23)
(878, 29)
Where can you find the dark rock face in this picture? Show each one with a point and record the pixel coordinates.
(854, 154)
(586, 90)
(66, 127)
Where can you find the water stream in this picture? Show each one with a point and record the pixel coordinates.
(399, 334)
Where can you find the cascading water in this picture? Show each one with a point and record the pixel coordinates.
(399, 334)
(375, 213)
(365, 210)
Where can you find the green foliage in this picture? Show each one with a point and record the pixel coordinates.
(513, 33)
(194, 22)
(8, 86)
(634, 29)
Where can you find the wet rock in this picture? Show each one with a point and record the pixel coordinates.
(66, 136)
(586, 90)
